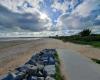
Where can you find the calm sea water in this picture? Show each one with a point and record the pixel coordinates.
(14, 39)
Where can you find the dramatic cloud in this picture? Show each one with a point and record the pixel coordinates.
(21, 5)
(49, 17)
(23, 22)
(60, 6)
(85, 15)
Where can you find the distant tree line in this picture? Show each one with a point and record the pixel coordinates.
(85, 35)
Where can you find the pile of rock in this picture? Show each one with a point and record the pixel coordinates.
(41, 66)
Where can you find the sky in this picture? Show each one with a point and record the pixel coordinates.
(29, 18)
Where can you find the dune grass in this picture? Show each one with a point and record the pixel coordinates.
(58, 75)
(93, 40)
(92, 43)
(96, 44)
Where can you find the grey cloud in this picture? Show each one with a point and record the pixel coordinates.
(26, 21)
(77, 22)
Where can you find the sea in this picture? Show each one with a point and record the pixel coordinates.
(17, 38)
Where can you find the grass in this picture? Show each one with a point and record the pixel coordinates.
(92, 43)
(96, 44)
(58, 72)
(96, 60)
(93, 40)
(57, 58)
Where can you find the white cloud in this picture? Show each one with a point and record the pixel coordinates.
(28, 17)
(31, 34)
(83, 16)
(96, 29)
(66, 5)
(86, 7)
(11, 21)
(98, 17)
(25, 16)
(21, 5)
(60, 6)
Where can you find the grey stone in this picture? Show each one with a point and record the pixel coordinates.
(40, 78)
(49, 78)
(32, 78)
(26, 68)
(15, 76)
(31, 62)
(50, 69)
(38, 67)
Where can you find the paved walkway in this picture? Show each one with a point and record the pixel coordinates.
(79, 67)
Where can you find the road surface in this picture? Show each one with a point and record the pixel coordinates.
(78, 67)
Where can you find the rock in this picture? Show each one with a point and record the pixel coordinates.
(50, 69)
(51, 51)
(48, 59)
(40, 78)
(41, 66)
(27, 68)
(31, 62)
(49, 78)
(15, 76)
(32, 78)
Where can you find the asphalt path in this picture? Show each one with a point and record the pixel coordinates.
(77, 66)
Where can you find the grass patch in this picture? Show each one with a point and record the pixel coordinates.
(96, 60)
(96, 44)
(92, 43)
(58, 75)
(57, 58)
(93, 39)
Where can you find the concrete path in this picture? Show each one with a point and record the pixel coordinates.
(78, 67)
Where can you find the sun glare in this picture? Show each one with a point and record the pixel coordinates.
(43, 16)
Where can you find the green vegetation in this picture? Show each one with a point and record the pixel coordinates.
(84, 37)
(96, 44)
(57, 58)
(85, 32)
(96, 60)
(58, 72)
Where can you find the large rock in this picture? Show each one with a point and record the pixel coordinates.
(32, 78)
(27, 68)
(47, 57)
(50, 51)
(49, 78)
(50, 69)
(31, 62)
(15, 76)
(40, 78)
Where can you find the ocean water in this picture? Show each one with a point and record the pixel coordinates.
(17, 38)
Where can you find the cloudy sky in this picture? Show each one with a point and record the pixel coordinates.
(48, 17)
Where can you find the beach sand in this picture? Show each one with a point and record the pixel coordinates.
(16, 55)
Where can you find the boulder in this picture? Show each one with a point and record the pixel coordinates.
(31, 62)
(50, 69)
(15, 76)
(26, 68)
(32, 78)
(40, 78)
(49, 78)
(41, 66)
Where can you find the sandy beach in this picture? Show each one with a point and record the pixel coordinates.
(16, 55)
